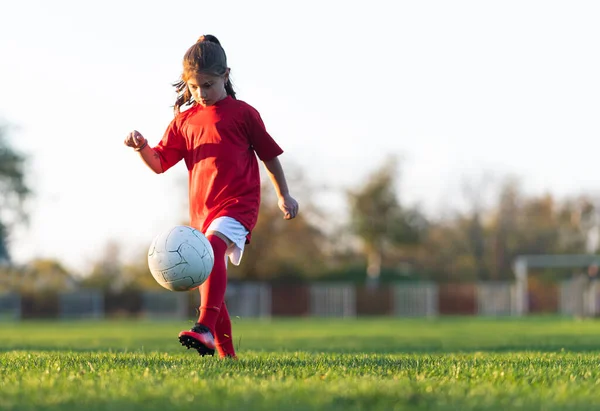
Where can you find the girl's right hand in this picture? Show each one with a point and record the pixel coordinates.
(135, 139)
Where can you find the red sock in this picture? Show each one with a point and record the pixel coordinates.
(212, 292)
(223, 333)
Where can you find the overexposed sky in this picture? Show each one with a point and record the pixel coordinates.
(457, 88)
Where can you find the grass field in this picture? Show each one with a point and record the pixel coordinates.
(305, 364)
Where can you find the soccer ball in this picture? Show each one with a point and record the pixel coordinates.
(180, 259)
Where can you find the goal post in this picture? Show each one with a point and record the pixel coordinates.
(523, 263)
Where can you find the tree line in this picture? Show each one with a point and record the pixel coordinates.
(382, 240)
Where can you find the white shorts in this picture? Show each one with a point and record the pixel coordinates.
(235, 232)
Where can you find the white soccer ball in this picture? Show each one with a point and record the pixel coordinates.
(180, 259)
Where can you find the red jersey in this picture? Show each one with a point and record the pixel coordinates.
(219, 144)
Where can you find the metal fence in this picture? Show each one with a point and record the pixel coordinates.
(496, 299)
(248, 300)
(10, 306)
(164, 304)
(332, 300)
(415, 300)
(579, 297)
(261, 300)
(81, 304)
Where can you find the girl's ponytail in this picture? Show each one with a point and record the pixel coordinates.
(213, 39)
(229, 89)
(208, 37)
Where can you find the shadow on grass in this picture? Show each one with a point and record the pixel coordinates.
(408, 399)
(351, 345)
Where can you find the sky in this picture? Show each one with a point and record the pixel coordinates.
(460, 90)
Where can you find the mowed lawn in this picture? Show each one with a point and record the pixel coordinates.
(305, 364)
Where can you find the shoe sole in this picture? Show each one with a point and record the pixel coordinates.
(191, 342)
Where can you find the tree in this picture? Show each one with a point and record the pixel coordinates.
(106, 273)
(378, 218)
(475, 233)
(282, 249)
(505, 228)
(13, 192)
(483, 243)
(40, 275)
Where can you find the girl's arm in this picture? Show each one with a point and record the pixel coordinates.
(151, 158)
(286, 202)
(148, 155)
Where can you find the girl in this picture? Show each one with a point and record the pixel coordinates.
(219, 138)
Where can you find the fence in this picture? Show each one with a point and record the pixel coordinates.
(81, 304)
(496, 299)
(337, 300)
(248, 300)
(164, 304)
(579, 297)
(264, 300)
(415, 300)
(10, 306)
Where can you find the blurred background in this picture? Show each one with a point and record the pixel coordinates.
(444, 155)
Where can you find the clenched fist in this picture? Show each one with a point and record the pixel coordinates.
(136, 140)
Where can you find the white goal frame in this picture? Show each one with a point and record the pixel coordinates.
(523, 263)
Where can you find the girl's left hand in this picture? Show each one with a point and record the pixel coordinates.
(289, 206)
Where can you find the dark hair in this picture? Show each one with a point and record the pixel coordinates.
(206, 57)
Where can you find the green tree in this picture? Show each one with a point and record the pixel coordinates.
(13, 191)
(379, 220)
(135, 275)
(505, 227)
(282, 249)
(537, 225)
(106, 273)
(483, 243)
(42, 275)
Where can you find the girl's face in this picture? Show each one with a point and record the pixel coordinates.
(207, 89)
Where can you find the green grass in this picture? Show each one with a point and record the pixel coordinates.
(305, 364)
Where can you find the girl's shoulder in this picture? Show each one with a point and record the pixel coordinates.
(242, 109)
(182, 115)
(239, 104)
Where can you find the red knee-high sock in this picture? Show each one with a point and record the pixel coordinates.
(212, 292)
(223, 333)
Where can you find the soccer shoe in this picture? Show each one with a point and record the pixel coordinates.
(200, 338)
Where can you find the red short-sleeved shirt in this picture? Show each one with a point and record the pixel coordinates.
(219, 144)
